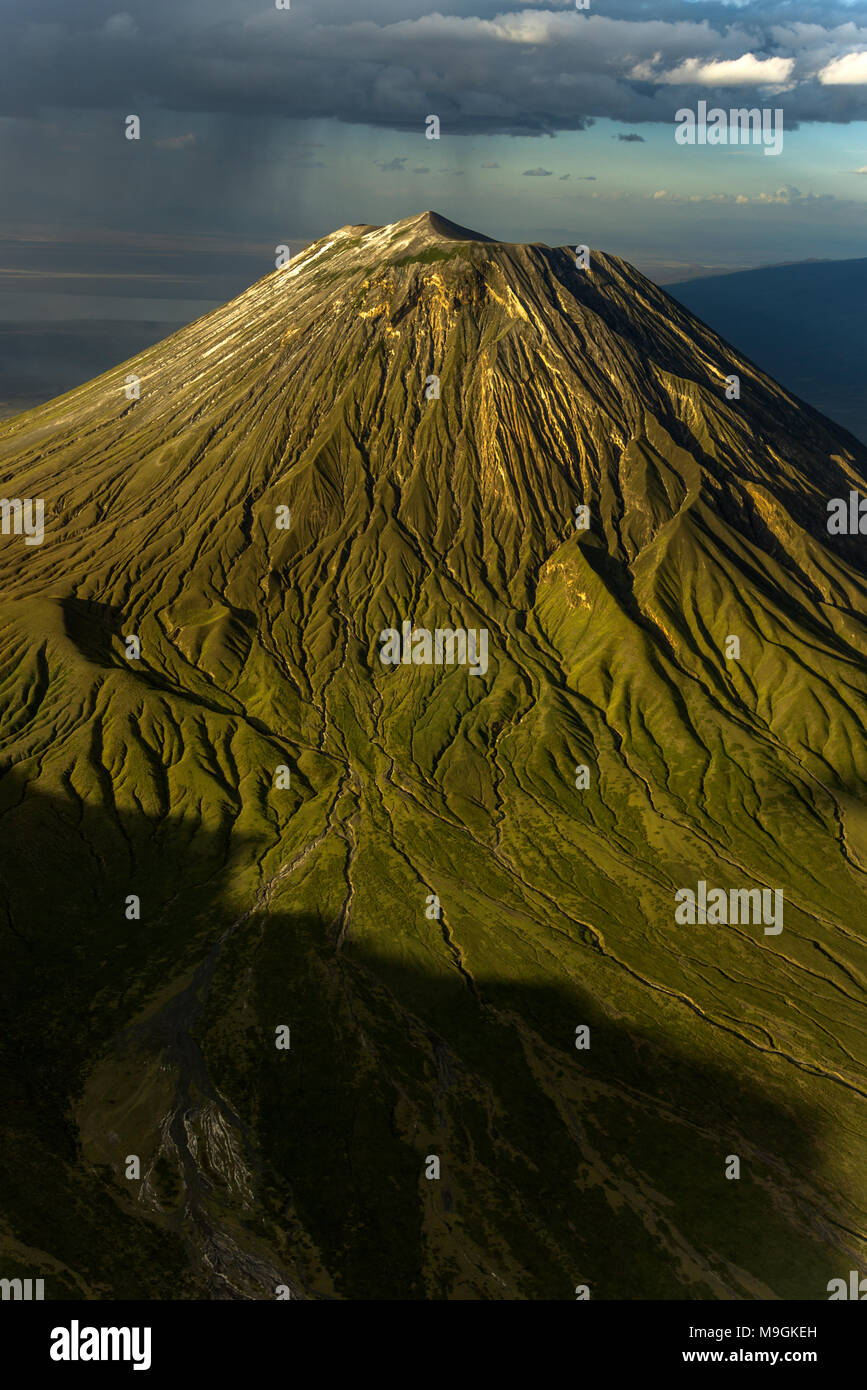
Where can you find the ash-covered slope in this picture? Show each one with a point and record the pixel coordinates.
(436, 901)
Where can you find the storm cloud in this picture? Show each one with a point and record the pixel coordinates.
(533, 68)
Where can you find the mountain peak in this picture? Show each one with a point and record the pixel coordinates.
(425, 227)
(433, 224)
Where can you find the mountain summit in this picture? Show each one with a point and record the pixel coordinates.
(435, 662)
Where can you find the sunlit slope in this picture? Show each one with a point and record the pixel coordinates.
(307, 906)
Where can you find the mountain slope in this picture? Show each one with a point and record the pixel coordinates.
(313, 906)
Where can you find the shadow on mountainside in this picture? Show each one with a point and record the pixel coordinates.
(306, 1167)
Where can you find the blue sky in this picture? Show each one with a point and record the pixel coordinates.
(262, 126)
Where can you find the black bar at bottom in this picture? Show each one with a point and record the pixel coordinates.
(232, 1338)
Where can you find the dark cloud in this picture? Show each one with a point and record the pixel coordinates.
(538, 173)
(631, 139)
(514, 67)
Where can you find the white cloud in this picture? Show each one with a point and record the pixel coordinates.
(746, 71)
(787, 196)
(848, 71)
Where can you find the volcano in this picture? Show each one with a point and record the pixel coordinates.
(408, 643)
